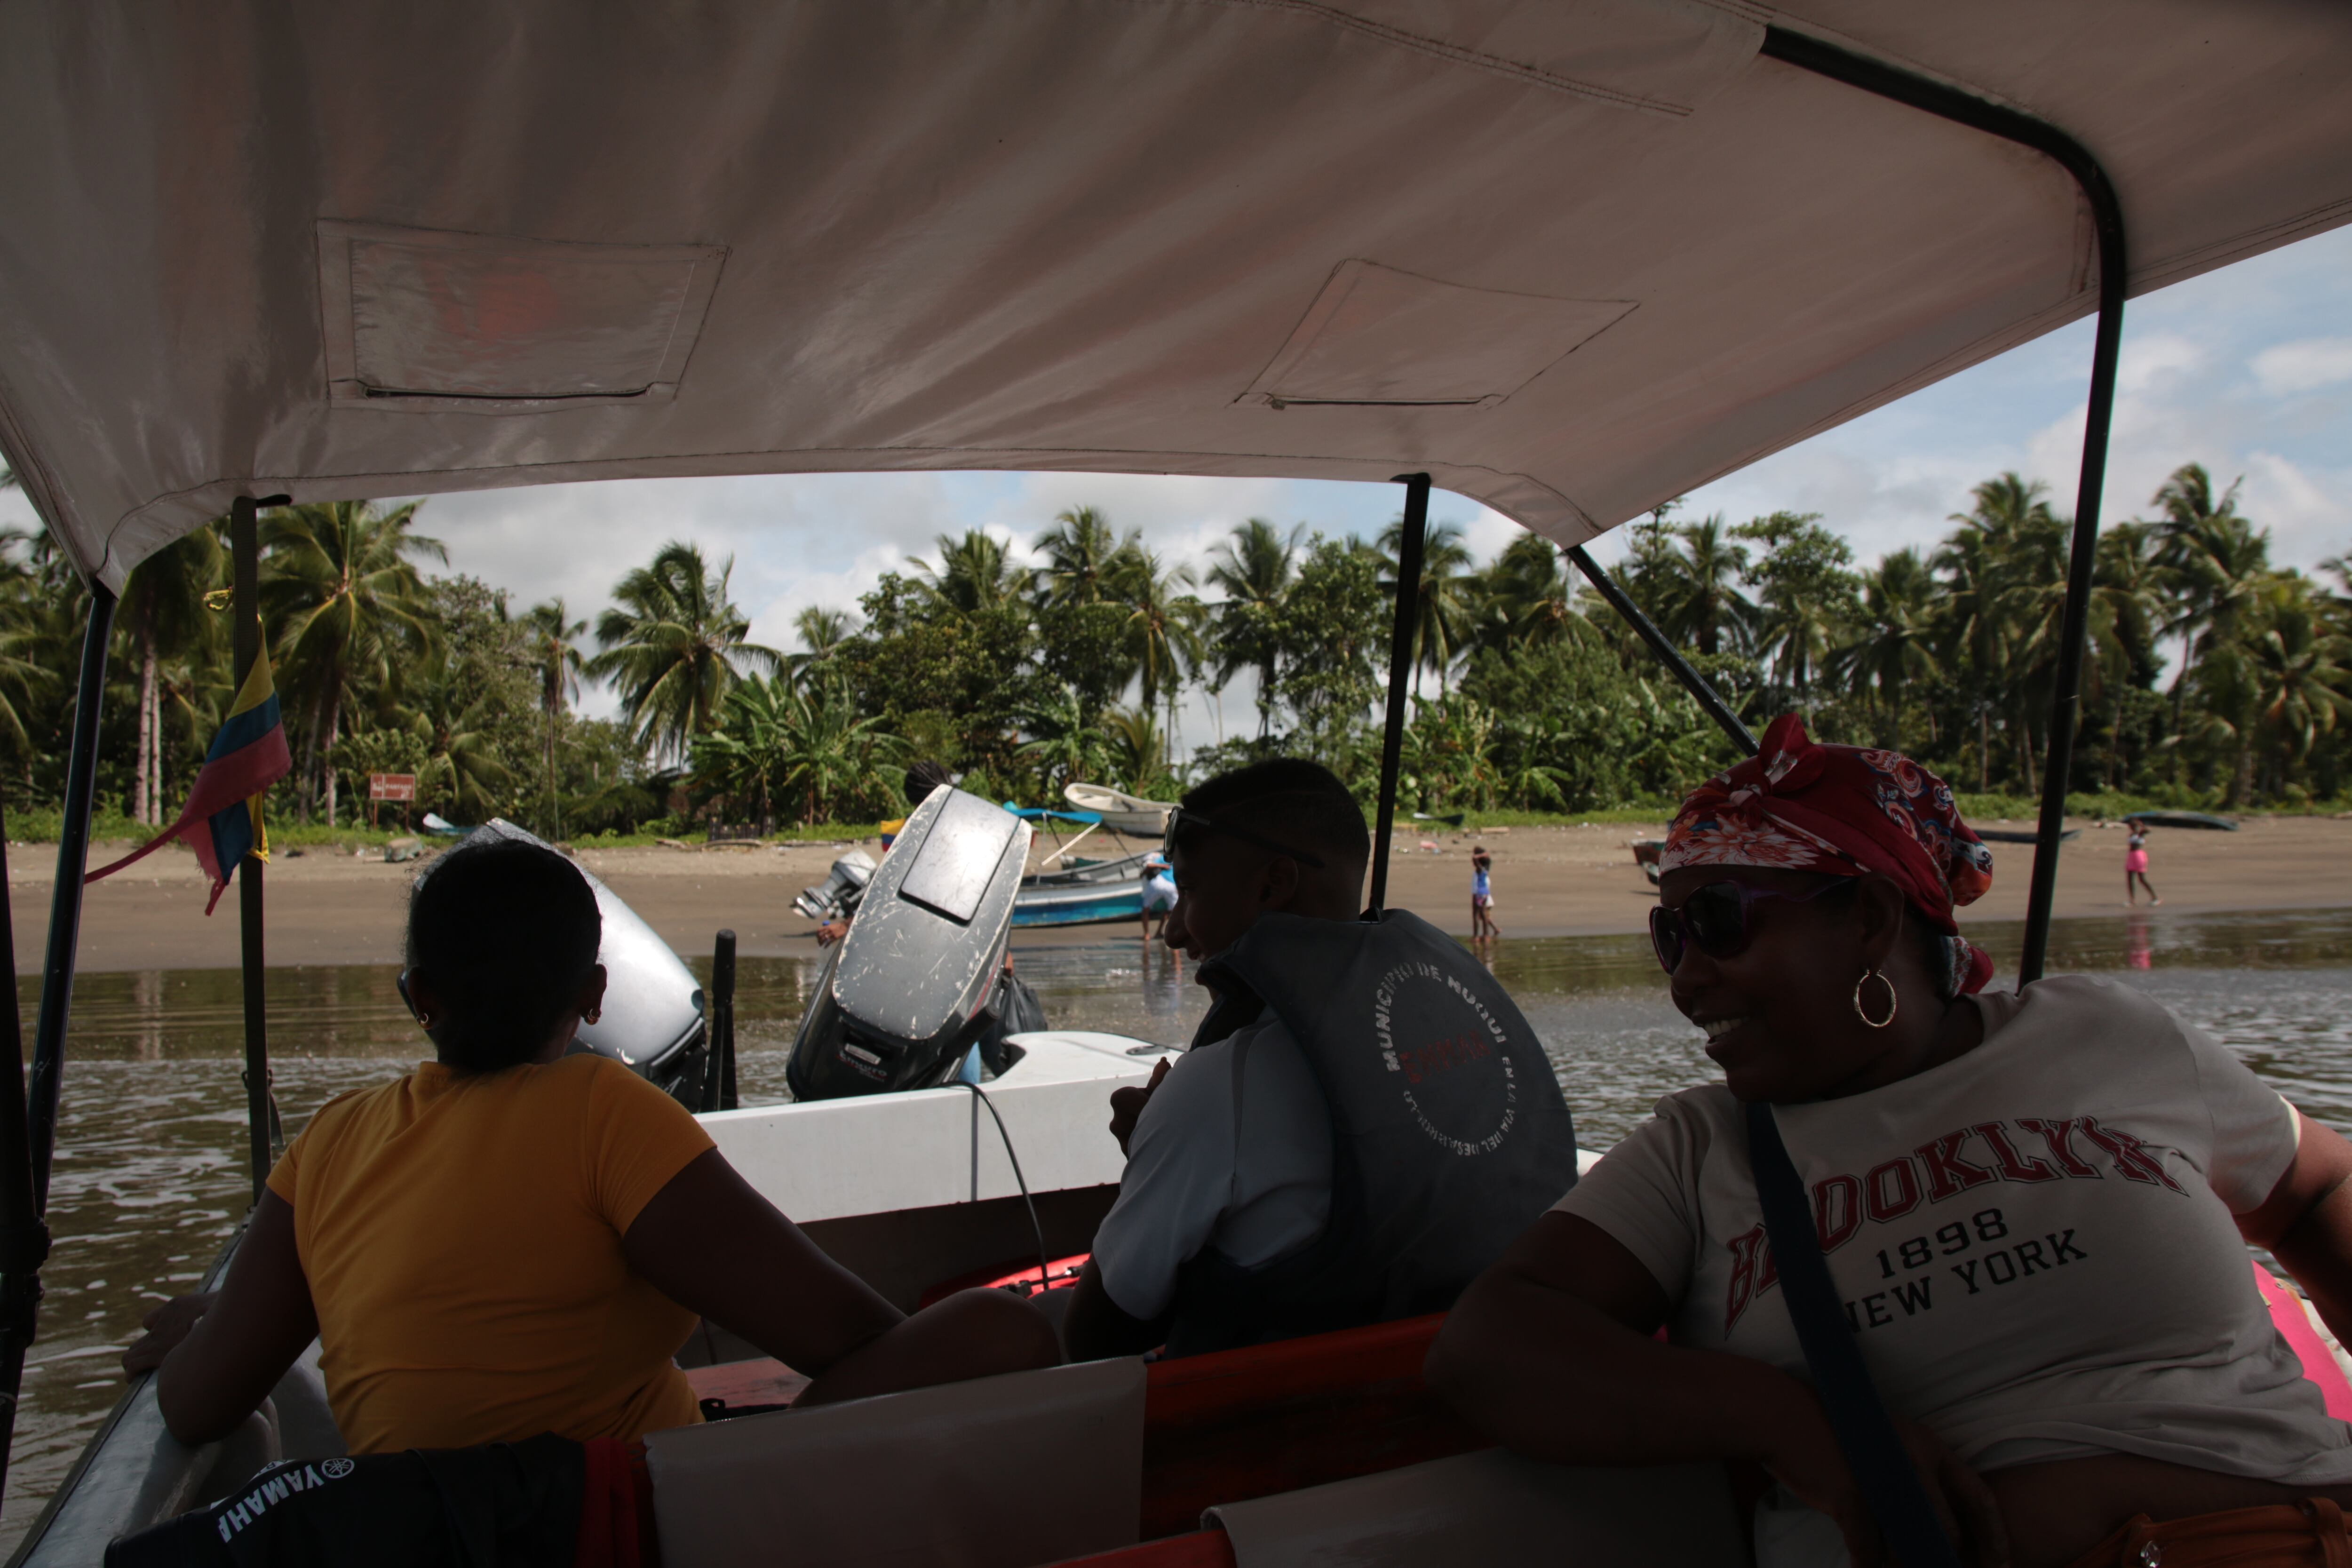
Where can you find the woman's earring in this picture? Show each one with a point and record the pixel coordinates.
(1893, 1001)
(424, 1022)
(591, 1016)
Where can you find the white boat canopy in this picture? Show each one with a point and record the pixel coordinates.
(1570, 258)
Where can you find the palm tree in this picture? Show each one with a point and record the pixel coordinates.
(674, 644)
(975, 573)
(1441, 615)
(1138, 755)
(1081, 552)
(341, 590)
(1163, 623)
(162, 614)
(553, 638)
(822, 632)
(1529, 597)
(1893, 649)
(1253, 568)
(1692, 574)
(1979, 565)
(1063, 746)
(2298, 669)
(2215, 561)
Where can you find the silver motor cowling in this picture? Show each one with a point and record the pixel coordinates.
(839, 894)
(920, 977)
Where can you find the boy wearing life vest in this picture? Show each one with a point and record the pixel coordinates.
(1363, 1122)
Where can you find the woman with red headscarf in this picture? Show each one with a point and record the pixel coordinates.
(2034, 1209)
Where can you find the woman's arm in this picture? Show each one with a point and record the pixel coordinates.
(261, 1322)
(711, 1244)
(1551, 1351)
(2306, 1221)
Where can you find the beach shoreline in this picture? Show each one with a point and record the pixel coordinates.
(330, 907)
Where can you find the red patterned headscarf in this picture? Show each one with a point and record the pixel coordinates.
(1843, 810)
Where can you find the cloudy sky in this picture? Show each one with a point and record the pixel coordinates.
(2248, 371)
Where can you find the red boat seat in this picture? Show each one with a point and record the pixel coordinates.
(1263, 1419)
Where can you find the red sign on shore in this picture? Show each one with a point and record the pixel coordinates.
(391, 786)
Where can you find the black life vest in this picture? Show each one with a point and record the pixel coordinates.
(1449, 1136)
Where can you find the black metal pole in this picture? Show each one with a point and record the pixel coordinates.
(65, 898)
(2107, 224)
(24, 1235)
(718, 1051)
(1676, 665)
(727, 1098)
(1410, 540)
(245, 555)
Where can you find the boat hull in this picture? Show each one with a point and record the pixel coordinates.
(1079, 904)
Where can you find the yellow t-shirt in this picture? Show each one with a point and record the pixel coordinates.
(461, 1234)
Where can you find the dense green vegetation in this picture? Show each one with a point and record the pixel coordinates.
(2214, 677)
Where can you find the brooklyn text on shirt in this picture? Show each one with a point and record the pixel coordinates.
(1934, 1173)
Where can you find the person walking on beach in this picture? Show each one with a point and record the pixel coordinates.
(1159, 893)
(2135, 864)
(1482, 895)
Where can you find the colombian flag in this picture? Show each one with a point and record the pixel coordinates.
(222, 821)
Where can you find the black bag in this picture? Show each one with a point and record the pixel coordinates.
(509, 1505)
(1865, 1433)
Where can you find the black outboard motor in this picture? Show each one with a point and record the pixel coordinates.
(920, 977)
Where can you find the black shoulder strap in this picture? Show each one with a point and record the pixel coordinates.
(1865, 1433)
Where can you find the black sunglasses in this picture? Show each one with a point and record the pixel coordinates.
(1715, 919)
(1179, 820)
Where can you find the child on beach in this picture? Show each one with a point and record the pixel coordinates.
(2135, 864)
(1482, 896)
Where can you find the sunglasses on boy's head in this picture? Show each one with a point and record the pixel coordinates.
(1718, 919)
(1181, 822)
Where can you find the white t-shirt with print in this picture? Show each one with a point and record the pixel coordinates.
(1251, 1178)
(2032, 1241)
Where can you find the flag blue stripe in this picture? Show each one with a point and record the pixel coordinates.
(242, 730)
(232, 831)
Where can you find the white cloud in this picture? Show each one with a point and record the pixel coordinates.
(2154, 359)
(2304, 366)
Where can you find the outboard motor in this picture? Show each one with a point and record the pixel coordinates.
(920, 977)
(652, 1018)
(839, 894)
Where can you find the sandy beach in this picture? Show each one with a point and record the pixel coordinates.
(331, 907)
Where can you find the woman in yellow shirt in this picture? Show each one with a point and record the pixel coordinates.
(510, 1240)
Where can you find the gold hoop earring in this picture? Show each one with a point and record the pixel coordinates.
(1893, 1001)
(591, 1016)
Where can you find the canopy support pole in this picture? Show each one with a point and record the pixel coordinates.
(65, 898)
(1415, 534)
(2108, 223)
(1676, 665)
(24, 1235)
(718, 1030)
(260, 1107)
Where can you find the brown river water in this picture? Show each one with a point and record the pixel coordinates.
(149, 1177)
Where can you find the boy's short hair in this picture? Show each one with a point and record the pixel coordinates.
(1290, 801)
(923, 778)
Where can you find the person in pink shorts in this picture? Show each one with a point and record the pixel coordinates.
(2135, 864)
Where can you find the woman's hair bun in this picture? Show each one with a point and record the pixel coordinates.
(507, 931)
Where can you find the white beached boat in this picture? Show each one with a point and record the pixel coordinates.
(1568, 261)
(1121, 812)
